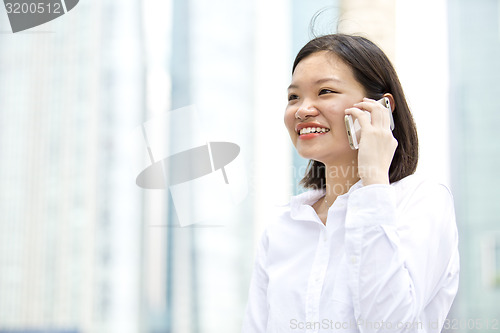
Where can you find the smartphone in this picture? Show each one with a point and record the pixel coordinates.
(353, 127)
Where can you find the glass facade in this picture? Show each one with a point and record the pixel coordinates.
(474, 30)
(69, 222)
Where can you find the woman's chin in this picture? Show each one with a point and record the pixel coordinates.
(331, 156)
(308, 156)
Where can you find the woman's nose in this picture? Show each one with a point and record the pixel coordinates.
(305, 112)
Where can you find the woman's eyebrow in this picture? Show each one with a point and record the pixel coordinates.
(319, 81)
(328, 79)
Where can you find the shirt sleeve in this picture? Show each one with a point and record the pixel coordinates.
(403, 257)
(256, 313)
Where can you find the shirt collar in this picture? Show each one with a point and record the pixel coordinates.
(301, 204)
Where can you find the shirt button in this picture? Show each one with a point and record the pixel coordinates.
(354, 259)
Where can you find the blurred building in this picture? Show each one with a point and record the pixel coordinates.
(474, 86)
(69, 226)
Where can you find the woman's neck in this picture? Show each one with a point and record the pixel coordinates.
(339, 179)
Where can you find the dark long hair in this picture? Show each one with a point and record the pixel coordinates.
(374, 71)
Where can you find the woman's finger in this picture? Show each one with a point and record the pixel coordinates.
(362, 117)
(379, 114)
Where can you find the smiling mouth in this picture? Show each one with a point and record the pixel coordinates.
(310, 130)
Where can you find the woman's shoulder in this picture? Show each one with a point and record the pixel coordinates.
(297, 210)
(419, 183)
(425, 212)
(420, 191)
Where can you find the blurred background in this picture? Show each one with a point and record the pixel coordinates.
(84, 249)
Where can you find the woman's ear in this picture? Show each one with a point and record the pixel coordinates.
(391, 99)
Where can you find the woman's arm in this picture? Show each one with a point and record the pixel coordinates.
(403, 263)
(255, 319)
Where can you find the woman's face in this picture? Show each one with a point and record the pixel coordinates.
(322, 87)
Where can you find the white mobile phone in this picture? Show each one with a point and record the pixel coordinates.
(353, 127)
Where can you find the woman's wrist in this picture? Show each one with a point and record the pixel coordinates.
(383, 179)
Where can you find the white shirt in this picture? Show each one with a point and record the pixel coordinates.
(386, 261)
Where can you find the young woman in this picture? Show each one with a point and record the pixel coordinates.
(370, 247)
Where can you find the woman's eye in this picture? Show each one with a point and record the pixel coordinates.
(292, 97)
(326, 91)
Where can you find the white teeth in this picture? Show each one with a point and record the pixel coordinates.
(308, 130)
